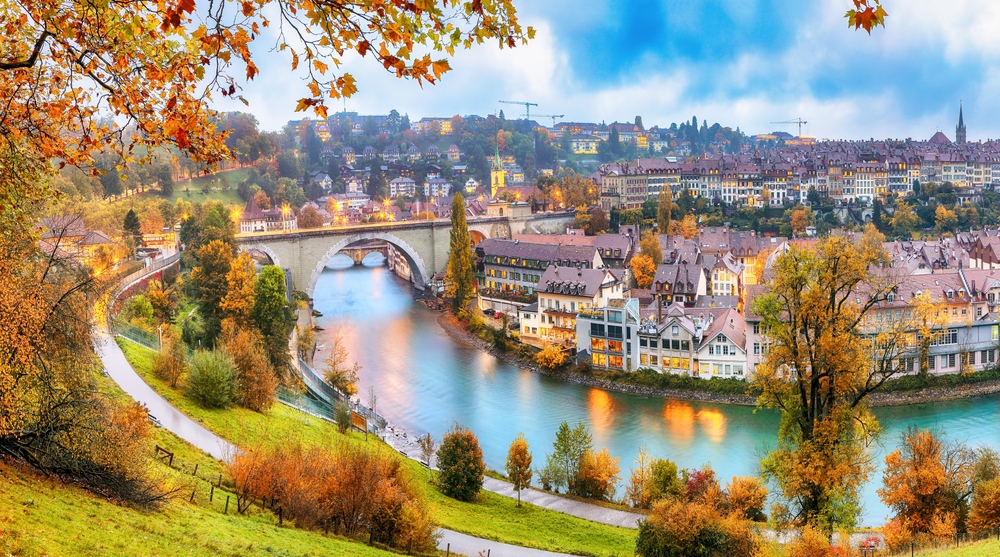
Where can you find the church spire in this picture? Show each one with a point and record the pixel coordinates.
(960, 128)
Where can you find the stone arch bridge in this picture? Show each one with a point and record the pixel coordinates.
(423, 244)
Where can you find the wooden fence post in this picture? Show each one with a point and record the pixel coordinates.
(279, 516)
(191, 500)
(195, 473)
(211, 493)
(226, 511)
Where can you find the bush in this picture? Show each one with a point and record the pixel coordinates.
(342, 417)
(352, 491)
(460, 464)
(694, 530)
(212, 379)
(171, 361)
(255, 378)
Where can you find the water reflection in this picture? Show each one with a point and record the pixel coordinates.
(426, 381)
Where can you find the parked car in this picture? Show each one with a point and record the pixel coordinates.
(514, 325)
(498, 315)
(489, 312)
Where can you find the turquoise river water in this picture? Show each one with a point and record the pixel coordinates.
(425, 380)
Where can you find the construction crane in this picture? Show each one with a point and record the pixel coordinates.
(553, 116)
(798, 121)
(527, 106)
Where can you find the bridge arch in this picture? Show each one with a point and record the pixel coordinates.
(264, 249)
(418, 269)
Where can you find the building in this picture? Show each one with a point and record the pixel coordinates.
(564, 291)
(437, 187)
(497, 175)
(960, 128)
(402, 187)
(607, 337)
(254, 219)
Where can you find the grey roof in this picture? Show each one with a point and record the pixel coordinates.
(573, 282)
(539, 252)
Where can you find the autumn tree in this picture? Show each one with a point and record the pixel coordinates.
(518, 465)
(342, 416)
(683, 529)
(926, 321)
(597, 222)
(643, 269)
(270, 317)
(255, 380)
(746, 497)
(162, 301)
(551, 357)
(820, 370)
(800, 220)
(426, 444)
(638, 490)
(649, 245)
(927, 483)
(460, 464)
(598, 475)
(689, 227)
(339, 374)
(985, 513)
(262, 200)
(944, 219)
(904, 221)
(460, 282)
(241, 294)
(309, 217)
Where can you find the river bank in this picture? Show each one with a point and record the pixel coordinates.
(456, 330)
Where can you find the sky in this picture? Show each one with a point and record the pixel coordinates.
(743, 63)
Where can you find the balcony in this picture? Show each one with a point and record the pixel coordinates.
(518, 297)
(593, 315)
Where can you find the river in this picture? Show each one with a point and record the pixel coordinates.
(425, 381)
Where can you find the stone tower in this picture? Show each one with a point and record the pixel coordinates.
(960, 128)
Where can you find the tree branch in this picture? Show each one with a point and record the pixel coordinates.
(30, 61)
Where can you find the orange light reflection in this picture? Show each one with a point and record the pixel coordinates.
(602, 412)
(680, 419)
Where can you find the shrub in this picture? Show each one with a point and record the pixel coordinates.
(746, 497)
(342, 417)
(694, 530)
(352, 491)
(460, 464)
(171, 361)
(598, 475)
(212, 379)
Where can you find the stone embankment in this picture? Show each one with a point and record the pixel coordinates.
(932, 394)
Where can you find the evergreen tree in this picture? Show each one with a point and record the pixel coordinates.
(461, 278)
(132, 226)
(663, 208)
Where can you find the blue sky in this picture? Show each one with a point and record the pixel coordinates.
(738, 62)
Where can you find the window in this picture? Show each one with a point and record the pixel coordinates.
(756, 328)
(756, 348)
(675, 345)
(931, 361)
(685, 345)
(598, 344)
(642, 342)
(615, 346)
(614, 317)
(643, 359)
(600, 360)
(653, 343)
(737, 369)
(674, 330)
(951, 360)
(596, 330)
(652, 359)
(615, 362)
(614, 331)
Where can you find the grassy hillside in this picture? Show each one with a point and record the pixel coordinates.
(42, 516)
(190, 190)
(492, 516)
(990, 548)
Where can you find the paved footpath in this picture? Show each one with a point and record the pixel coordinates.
(580, 509)
(462, 544)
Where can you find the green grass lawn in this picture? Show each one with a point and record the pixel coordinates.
(190, 190)
(492, 516)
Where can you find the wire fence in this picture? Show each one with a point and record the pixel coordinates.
(926, 546)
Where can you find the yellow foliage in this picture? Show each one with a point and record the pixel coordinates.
(643, 269)
(551, 357)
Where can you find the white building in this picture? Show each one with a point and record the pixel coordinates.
(402, 187)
